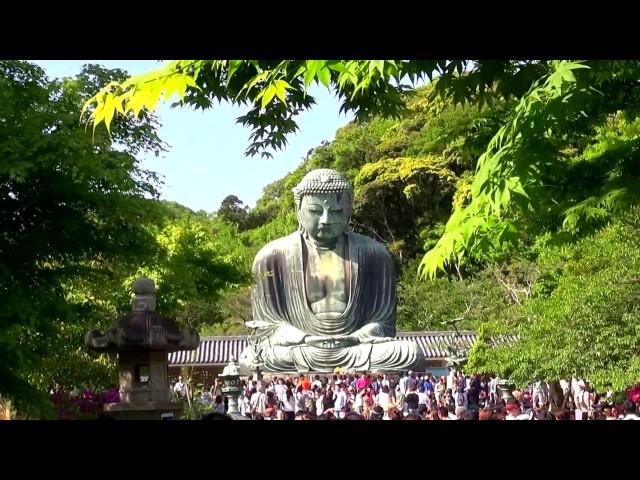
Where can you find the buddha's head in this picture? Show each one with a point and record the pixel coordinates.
(324, 199)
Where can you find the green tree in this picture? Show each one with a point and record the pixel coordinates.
(193, 266)
(433, 305)
(396, 198)
(549, 96)
(72, 207)
(233, 210)
(584, 321)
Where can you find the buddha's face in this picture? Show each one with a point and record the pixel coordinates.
(324, 216)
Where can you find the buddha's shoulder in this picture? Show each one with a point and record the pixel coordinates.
(279, 246)
(373, 246)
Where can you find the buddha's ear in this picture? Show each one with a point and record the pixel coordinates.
(347, 202)
(300, 228)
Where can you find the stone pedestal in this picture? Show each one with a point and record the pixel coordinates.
(144, 410)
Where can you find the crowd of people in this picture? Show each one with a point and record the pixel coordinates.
(414, 396)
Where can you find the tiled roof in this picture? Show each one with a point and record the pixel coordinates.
(211, 351)
(434, 344)
(219, 350)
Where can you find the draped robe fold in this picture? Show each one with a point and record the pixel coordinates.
(280, 300)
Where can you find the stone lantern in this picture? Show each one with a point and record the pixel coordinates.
(142, 340)
(255, 347)
(505, 388)
(457, 354)
(231, 388)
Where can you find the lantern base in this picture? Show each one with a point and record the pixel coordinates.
(144, 410)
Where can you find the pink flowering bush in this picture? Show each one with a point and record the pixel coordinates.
(85, 405)
(633, 394)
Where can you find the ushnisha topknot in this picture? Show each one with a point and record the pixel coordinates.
(322, 180)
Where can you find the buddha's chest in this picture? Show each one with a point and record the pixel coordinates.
(325, 282)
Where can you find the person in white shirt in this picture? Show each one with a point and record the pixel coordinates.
(405, 382)
(440, 388)
(357, 402)
(180, 388)
(301, 398)
(493, 389)
(422, 397)
(341, 402)
(582, 400)
(244, 404)
(514, 412)
(460, 398)
(451, 379)
(259, 400)
(540, 395)
(384, 400)
(289, 404)
(280, 390)
(565, 387)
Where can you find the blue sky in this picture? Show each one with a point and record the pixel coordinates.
(206, 159)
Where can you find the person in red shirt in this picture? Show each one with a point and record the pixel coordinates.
(362, 383)
(305, 382)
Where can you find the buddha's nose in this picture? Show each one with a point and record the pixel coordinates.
(324, 219)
